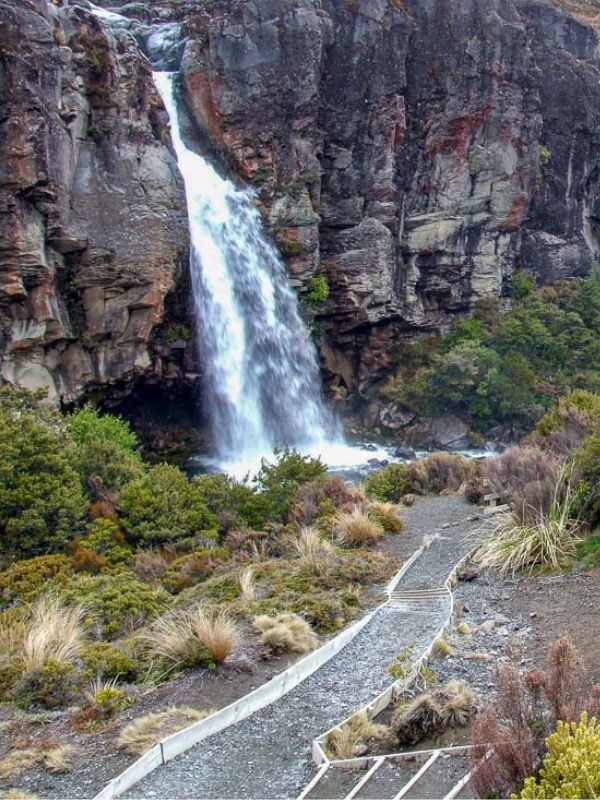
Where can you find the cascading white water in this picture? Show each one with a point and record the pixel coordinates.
(262, 376)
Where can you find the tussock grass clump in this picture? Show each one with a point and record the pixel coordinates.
(548, 540)
(357, 529)
(247, 583)
(216, 630)
(53, 632)
(192, 636)
(57, 758)
(285, 632)
(442, 648)
(106, 697)
(358, 736)
(315, 552)
(387, 515)
(432, 712)
(143, 733)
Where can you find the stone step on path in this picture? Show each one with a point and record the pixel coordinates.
(268, 755)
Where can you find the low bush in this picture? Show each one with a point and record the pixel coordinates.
(280, 480)
(140, 735)
(509, 736)
(117, 604)
(570, 768)
(432, 712)
(162, 508)
(104, 538)
(386, 514)
(442, 471)
(107, 661)
(526, 477)
(234, 504)
(54, 684)
(150, 566)
(106, 697)
(321, 498)
(285, 633)
(390, 484)
(26, 580)
(357, 529)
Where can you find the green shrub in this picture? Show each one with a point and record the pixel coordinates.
(236, 505)
(25, 580)
(104, 448)
(117, 604)
(106, 698)
(104, 660)
(53, 685)
(390, 484)
(570, 768)
(280, 480)
(41, 499)
(104, 538)
(163, 507)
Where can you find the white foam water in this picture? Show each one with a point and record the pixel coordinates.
(262, 387)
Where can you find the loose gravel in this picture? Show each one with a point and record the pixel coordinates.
(268, 755)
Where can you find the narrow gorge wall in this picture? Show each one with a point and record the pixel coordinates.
(92, 213)
(414, 151)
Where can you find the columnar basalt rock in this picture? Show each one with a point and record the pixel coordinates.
(92, 212)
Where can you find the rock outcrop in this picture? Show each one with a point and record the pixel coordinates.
(416, 151)
(92, 213)
(413, 151)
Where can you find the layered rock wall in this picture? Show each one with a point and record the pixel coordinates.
(93, 230)
(416, 152)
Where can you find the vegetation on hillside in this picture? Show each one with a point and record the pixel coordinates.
(114, 572)
(506, 369)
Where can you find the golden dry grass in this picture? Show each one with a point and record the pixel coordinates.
(177, 637)
(59, 759)
(247, 584)
(387, 515)
(143, 733)
(357, 529)
(17, 794)
(356, 734)
(285, 632)
(216, 629)
(432, 712)
(53, 631)
(315, 552)
(15, 761)
(56, 758)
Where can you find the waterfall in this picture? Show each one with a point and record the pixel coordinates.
(262, 386)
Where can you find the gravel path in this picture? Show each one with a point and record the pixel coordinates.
(268, 755)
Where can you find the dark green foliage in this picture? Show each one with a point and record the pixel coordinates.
(280, 480)
(103, 660)
(507, 369)
(105, 449)
(163, 507)
(389, 484)
(41, 499)
(54, 685)
(117, 604)
(27, 579)
(235, 504)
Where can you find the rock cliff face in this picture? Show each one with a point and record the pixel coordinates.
(92, 214)
(414, 151)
